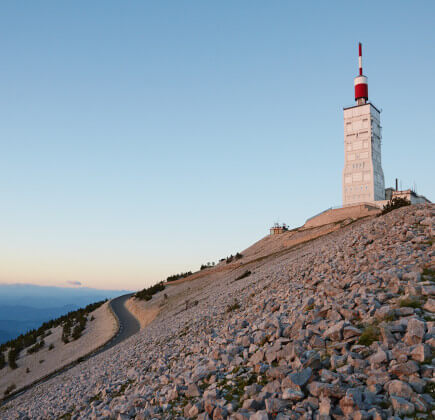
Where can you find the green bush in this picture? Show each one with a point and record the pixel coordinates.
(429, 388)
(9, 389)
(395, 203)
(247, 273)
(12, 358)
(369, 335)
(2, 360)
(66, 331)
(36, 347)
(428, 273)
(233, 307)
(208, 265)
(410, 302)
(179, 276)
(232, 258)
(77, 332)
(147, 293)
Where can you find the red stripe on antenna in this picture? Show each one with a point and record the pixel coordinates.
(360, 60)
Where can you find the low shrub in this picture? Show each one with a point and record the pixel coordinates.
(232, 258)
(38, 346)
(12, 358)
(410, 302)
(178, 276)
(247, 273)
(369, 335)
(77, 332)
(233, 307)
(428, 274)
(429, 388)
(395, 203)
(147, 293)
(9, 389)
(208, 265)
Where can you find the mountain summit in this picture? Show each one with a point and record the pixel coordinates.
(339, 326)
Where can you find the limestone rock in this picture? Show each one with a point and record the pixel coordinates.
(301, 378)
(414, 332)
(334, 333)
(259, 415)
(430, 305)
(400, 389)
(275, 405)
(402, 407)
(193, 391)
(351, 331)
(292, 394)
(421, 352)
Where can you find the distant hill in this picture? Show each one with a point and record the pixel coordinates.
(24, 306)
(51, 297)
(16, 320)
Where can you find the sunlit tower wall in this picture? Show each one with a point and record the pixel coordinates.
(363, 178)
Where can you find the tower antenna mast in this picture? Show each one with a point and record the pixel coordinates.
(360, 82)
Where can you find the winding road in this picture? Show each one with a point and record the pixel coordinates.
(128, 326)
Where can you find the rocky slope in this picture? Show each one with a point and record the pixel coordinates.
(340, 327)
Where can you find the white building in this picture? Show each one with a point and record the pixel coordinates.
(363, 178)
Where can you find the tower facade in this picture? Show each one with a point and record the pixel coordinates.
(363, 178)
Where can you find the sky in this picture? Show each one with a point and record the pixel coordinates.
(141, 139)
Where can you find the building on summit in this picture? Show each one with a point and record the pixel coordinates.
(276, 229)
(363, 187)
(363, 177)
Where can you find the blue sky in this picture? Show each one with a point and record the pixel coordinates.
(139, 139)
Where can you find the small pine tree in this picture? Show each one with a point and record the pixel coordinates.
(12, 357)
(65, 338)
(77, 332)
(2, 360)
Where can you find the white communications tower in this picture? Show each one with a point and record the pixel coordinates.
(363, 178)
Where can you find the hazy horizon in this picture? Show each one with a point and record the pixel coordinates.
(26, 306)
(143, 139)
(62, 286)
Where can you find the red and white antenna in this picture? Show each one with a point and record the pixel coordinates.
(361, 85)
